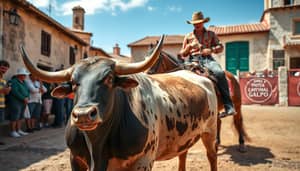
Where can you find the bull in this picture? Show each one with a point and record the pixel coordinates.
(124, 119)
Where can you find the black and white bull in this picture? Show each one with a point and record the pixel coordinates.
(124, 119)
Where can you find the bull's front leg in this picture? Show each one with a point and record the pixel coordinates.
(182, 161)
(209, 141)
(78, 163)
(79, 153)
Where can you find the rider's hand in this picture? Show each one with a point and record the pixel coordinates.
(196, 45)
(206, 52)
(195, 63)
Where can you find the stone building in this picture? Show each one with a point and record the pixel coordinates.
(49, 43)
(272, 42)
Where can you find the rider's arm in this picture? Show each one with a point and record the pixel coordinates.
(186, 48)
(216, 46)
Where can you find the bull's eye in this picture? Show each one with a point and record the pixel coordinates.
(75, 86)
(108, 80)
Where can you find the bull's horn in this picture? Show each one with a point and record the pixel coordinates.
(58, 76)
(131, 68)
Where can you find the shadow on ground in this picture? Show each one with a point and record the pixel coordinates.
(253, 156)
(24, 156)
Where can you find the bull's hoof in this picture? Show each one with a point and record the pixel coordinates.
(242, 148)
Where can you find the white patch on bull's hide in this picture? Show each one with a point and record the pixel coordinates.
(90, 147)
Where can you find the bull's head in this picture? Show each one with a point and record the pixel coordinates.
(93, 81)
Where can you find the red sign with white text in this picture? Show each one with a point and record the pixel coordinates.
(259, 90)
(294, 89)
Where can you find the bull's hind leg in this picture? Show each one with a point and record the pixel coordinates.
(219, 124)
(182, 161)
(209, 142)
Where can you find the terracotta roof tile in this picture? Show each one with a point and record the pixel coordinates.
(169, 39)
(99, 49)
(219, 30)
(239, 29)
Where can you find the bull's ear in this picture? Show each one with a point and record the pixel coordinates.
(62, 91)
(125, 82)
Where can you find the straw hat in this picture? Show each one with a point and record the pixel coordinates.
(22, 71)
(197, 17)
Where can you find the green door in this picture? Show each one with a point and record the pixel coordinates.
(237, 56)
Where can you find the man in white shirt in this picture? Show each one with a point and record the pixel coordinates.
(36, 89)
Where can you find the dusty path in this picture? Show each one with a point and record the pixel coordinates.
(275, 133)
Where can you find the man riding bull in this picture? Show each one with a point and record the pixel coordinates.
(199, 46)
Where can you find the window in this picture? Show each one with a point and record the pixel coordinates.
(72, 55)
(278, 59)
(288, 2)
(77, 20)
(296, 27)
(45, 43)
(85, 55)
(295, 63)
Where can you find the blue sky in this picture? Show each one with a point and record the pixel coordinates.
(125, 21)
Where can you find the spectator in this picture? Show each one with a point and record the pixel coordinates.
(47, 102)
(17, 101)
(69, 106)
(4, 90)
(36, 89)
(58, 109)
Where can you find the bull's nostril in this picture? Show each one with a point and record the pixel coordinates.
(93, 114)
(74, 115)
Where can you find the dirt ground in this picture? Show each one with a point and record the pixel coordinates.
(275, 145)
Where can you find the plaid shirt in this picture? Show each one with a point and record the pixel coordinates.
(208, 39)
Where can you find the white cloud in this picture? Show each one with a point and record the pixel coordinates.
(174, 9)
(90, 6)
(93, 6)
(124, 6)
(45, 4)
(150, 8)
(113, 13)
(40, 3)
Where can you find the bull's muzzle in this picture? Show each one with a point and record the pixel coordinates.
(86, 118)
